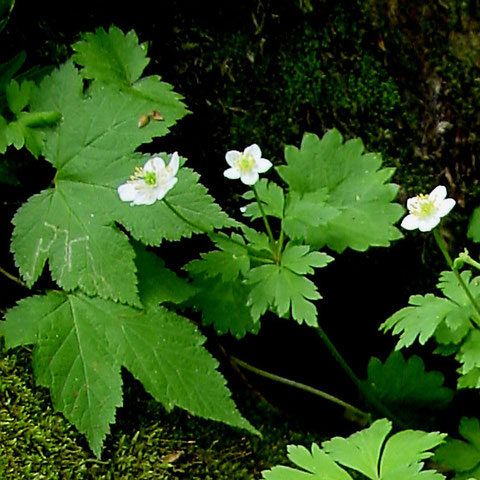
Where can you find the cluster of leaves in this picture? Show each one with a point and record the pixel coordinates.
(336, 197)
(81, 342)
(462, 456)
(450, 319)
(19, 127)
(368, 452)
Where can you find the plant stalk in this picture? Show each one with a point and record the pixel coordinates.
(265, 221)
(307, 388)
(443, 248)
(364, 388)
(13, 278)
(221, 235)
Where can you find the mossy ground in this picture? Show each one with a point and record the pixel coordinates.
(146, 442)
(400, 75)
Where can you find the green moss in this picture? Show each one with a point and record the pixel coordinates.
(35, 442)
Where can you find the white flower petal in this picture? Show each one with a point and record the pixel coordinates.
(438, 194)
(173, 164)
(154, 165)
(231, 156)
(249, 178)
(412, 202)
(146, 196)
(232, 173)
(410, 222)
(167, 187)
(428, 223)
(263, 165)
(127, 192)
(254, 150)
(445, 207)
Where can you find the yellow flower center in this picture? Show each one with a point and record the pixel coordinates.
(245, 163)
(423, 207)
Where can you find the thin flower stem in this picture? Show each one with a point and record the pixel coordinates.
(443, 248)
(302, 386)
(265, 220)
(13, 278)
(364, 388)
(221, 235)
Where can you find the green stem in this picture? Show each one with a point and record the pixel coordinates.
(302, 386)
(265, 221)
(448, 259)
(221, 235)
(13, 278)
(367, 392)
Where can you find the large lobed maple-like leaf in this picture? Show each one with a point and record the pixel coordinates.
(82, 342)
(72, 224)
(344, 189)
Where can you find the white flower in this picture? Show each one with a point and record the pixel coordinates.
(150, 183)
(425, 211)
(247, 165)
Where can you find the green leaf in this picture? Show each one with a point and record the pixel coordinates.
(400, 458)
(228, 263)
(427, 313)
(299, 259)
(82, 342)
(117, 59)
(271, 197)
(72, 224)
(10, 68)
(405, 386)
(156, 283)
(18, 96)
(353, 190)
(112, 57)
(474, 226)
(224, 305)
(315, 465)
(307, 211)
(401, 455)
(469, 353)
(284, 289)
(153, 223)
(460, 455)
(64, 225)
(3, 135)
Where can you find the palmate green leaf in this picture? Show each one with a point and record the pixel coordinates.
(353, 187)
(462, 456)
(431, 315)
(399, 458)
(71, 225)
(283, 288)
(82, 342)
(405, 387)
